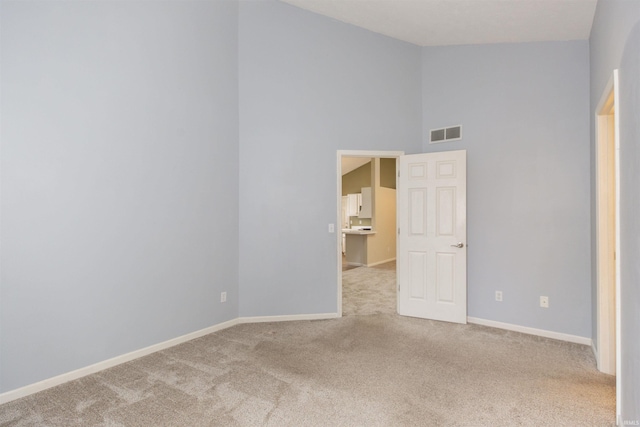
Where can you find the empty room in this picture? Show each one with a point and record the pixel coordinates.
(172, 231)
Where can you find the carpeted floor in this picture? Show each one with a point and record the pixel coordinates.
(369, 290)
(360, 370)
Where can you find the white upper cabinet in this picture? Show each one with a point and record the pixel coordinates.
(354, 204)
(365, 207)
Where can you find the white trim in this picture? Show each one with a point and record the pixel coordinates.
(109, 363)
(619, 254)
(373, 264)
(531, 331)
(339, 155)
(381, 262)
(288, 318)
(606, 300)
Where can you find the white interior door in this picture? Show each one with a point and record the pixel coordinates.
(432, 252)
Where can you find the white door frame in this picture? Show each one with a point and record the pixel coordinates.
(607, 137)
(340, 155)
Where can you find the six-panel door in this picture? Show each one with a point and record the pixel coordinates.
(432, 253)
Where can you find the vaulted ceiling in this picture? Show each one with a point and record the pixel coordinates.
(456, 22)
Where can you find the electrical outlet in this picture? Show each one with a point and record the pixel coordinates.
(499, 296)
(223, 297)
(331, 228)
(544, 302)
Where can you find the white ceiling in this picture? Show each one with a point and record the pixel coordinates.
(455, 22)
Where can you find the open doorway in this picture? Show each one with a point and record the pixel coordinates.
(608, 234)
(356, 209)
(366, 239)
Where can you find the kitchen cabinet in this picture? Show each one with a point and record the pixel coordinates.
(359, 204)
(354, 203)
(344, 208)
(365, 205)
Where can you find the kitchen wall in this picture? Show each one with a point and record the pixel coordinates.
(615, 43)
(353, 181)
(119, 178)
(388, 173)
(381, 246)
(524, 111)
(309, 86)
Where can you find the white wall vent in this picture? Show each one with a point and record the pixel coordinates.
(453, 133)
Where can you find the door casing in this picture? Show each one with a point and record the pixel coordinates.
(608, 234)
(356, 153)
(340, 155)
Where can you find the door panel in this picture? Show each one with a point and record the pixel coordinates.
(432, 270)
(418, 275)
(418, 211)
(445, 276)
(445, 211)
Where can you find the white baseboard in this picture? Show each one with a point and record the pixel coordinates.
(91, 369)
(288, 318)
(532, 331)
(109, 363)
(381, 262)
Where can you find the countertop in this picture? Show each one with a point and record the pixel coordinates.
(361, 232)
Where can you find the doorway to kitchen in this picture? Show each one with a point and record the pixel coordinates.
(366, 240)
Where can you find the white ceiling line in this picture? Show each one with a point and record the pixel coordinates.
(458, 22)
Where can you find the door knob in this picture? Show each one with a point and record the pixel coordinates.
(459, 245)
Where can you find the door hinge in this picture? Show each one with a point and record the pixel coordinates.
(398, 174)
(398, 231)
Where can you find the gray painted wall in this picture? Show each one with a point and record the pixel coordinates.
(525, 125)
(615, 43)
(119, 179)
(309, 86)
(121, 209)
(611, 26)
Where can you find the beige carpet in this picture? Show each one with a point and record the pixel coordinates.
(369, 290)
(360, 370)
